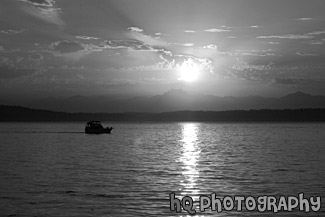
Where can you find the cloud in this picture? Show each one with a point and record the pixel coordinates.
(12, 73)
(188, 44)
(137, 34)
(217, 30)
(183, 44)
(255, 27)
(300, 53)
(257, 53)
(211, 46)
(66, 46)
(86, 37)
(126, 44)
(317, 32)
(288, 81)
(316, 42)
(241, 65)
(135, 29)
(288, 36)
(159, 34)
(44, 10)
(11, 31)
(189, 31)
(155, 67)
(304, 18)
(36, 57)
(161, 63)
(164, 62)
(309, 35)
(46, 3)
(274, 42)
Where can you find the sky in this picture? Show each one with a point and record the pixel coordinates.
(147, 47)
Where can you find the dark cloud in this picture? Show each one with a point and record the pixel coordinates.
(36, 57)
(288, 81)
(67, 46)
(131, 44)
(11, 73)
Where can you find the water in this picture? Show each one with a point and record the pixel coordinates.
(54, 169)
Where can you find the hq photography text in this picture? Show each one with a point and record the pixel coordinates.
(262, 203)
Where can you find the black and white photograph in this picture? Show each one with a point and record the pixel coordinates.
(122, 108)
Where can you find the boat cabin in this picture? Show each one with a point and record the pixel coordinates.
(94, 125)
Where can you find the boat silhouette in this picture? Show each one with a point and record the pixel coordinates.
(95, 127)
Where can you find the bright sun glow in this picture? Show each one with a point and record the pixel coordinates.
(189, 71)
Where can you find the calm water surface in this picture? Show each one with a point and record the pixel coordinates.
(54, 169)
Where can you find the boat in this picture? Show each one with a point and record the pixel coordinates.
(95, 127)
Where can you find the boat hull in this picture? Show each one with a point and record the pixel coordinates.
(98, 131)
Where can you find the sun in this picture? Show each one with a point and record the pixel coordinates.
(189, 71)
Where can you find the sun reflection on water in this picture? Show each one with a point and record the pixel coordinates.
(190, 154)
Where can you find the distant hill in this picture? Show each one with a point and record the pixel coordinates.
(174, 100)
(22, 114)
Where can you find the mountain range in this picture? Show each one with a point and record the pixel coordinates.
(174, 100)
(23, 114)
